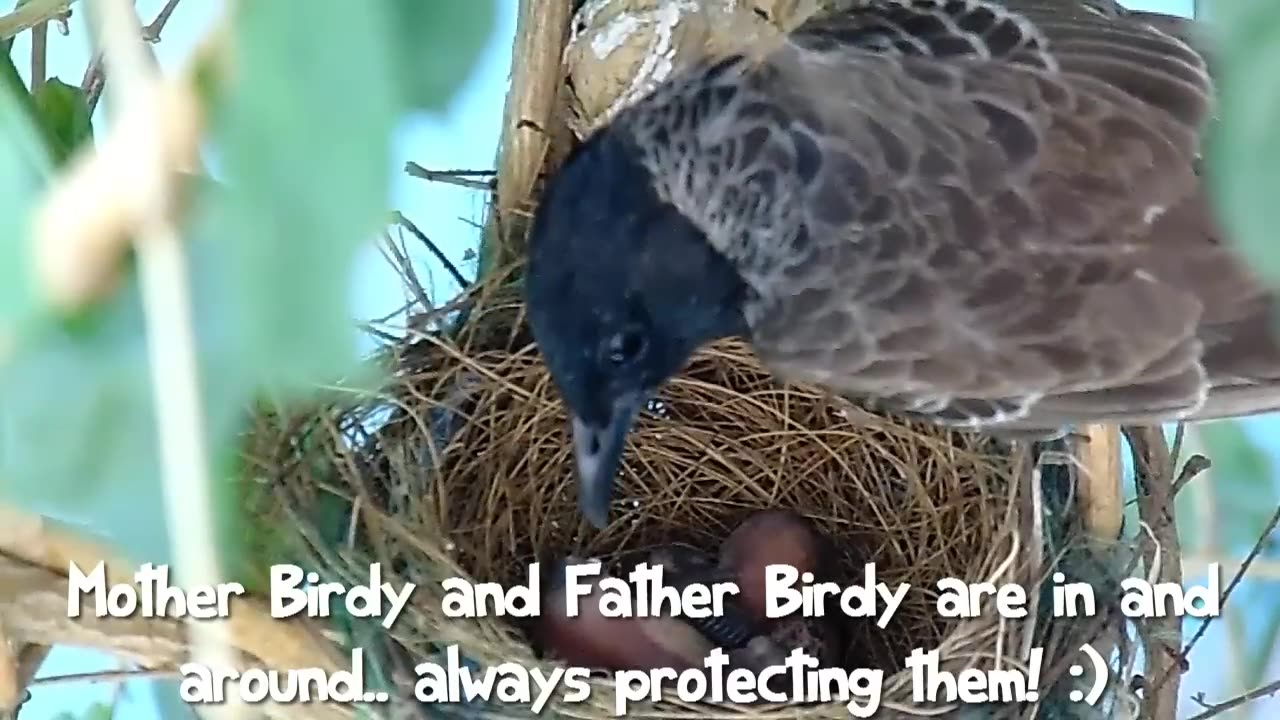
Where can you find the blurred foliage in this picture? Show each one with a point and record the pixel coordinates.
(96, 711)
(1243, 488)
(303, 135)
(23, 171)
(64, 112)
(1244, 147)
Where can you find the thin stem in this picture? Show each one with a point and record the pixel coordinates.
(39, 56)
(461, 178)
(449, 267)
(171, 342)
(1217, 709)
(94, 77)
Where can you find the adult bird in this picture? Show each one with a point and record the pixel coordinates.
(983, 214)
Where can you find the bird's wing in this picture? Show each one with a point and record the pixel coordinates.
(983, 213)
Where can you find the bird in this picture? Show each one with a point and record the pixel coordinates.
(988, 216)
(683, 566)
(769, 537)
(592, 640)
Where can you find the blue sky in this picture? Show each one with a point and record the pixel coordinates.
(463, 137)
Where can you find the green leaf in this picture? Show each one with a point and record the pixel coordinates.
(304, 137)
(77, 426)
(1243, 155)
(64, 112)
(438, 44)
(24, 172)
(306, 145)
(1243, 487)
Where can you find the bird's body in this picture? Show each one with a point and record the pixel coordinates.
(987, 215)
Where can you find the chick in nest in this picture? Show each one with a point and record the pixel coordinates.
(817, 637)
(770, 537)
(682, 566)
(590, 639)
(619, 50)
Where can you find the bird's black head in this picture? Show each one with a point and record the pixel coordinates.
(621, 289)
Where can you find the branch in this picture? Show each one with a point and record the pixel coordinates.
(94, 78)
(36, 12)
(1162, 555)
(1213, 710)
(35, 556)
(152, 32)
(1193, 467)
(461, 178)
(1263, 538)
(39, 55)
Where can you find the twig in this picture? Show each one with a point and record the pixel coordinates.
(152, 31)
(452, 269)
(1216, 709)
(36, 12)
(403, 265)
(92, 82)
(1197, 564)
(1154, 476)
(1263, 537)
(461, 178)
(170, 338)
(1179, 437)
(1191, 469)
(94, 78)
(39, 55)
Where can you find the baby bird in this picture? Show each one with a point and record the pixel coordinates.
(592, 640)
(769, 537)
(683, 565)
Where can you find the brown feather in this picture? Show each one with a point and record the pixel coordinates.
(987, 214)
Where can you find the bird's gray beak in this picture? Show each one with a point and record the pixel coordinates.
(597, 451)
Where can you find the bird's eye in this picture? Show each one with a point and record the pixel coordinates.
(625, 346)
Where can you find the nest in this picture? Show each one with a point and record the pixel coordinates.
(469, 474)
(461, 466)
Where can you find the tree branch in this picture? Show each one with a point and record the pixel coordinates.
(94, 77)
(1216, 709)
(1162, 555)
(36, 12)
(39, 55)
(461, 178)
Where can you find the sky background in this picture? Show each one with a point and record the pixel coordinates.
(465, 137)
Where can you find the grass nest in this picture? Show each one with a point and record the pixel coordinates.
(467, 472)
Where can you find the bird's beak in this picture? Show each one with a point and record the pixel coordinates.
(597, 451)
